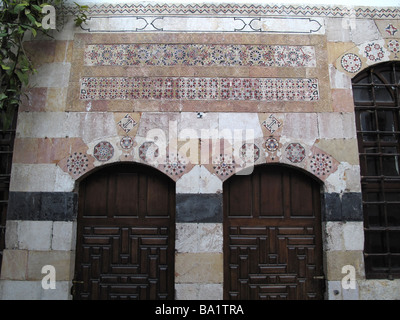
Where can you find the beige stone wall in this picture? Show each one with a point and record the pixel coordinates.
(58, 122)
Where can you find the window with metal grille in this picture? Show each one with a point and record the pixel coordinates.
(377, 106)
(7, 136)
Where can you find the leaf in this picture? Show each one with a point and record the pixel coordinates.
(23, 77)
(19, 7)
(37, 8)
(30, 17)
(4, 67)
(34, 32)
(3, 96)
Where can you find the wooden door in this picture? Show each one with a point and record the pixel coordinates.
(272, 235)
(126, 235)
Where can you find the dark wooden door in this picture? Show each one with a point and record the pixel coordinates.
(272, 235)
(126, 235)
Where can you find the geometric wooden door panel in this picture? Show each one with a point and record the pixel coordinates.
(126, 235)
(272, 235)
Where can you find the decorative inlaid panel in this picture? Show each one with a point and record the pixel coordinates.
(174, 88)
(199, 55)
(221, 9)
(192, 23)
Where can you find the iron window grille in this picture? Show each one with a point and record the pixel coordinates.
(376, 93)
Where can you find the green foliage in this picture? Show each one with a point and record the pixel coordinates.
(17, 17)
(81, 17)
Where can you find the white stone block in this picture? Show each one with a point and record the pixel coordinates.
(301, 126)
(33, 290)
(338, 30)
(189, 121)
(210, 237)
(51, 75)
(199, 237)
(333, 236)
(211, 291)
(47, 124)
(189, 182)
(364, 30)
(333, 290)
(343, 236)
(197, 291)
(209, 183)
(338, 79)
(11, 236)
(40, 177)
(345, 179)
(96, 125)
(186, 237)
(239, 122)
(353, 235)
(186, 291)
(61, 292)
(349, 126)
(335, 125)
(379, 289)
(35, 235)
(64, 235)
(20, 290)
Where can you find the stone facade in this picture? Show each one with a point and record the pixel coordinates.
(102, 94)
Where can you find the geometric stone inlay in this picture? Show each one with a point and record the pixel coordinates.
(193, 88)
(272, 144)
(321, 164)
(127, 123)
(103, 151)
(126, 142)
(295, 152)
(351, 62)
(199, 55)
(77, 163)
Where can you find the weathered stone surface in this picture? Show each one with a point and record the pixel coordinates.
(379, 289)
(199, 207)
(198, 237)
(199, 180)
(44, 206)
(335, 291)
(343, 235)
(195, 291)
(62, 261)
(14, 265)
(32, 290)
(342, 207)
(343, 150)
(64, 235)
(34, 235)
(40, 178)
(199, 268)
(51, 75)
(336, 260)
(335, 125)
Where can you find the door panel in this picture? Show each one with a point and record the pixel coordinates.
(272, 243)
(126, 234)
